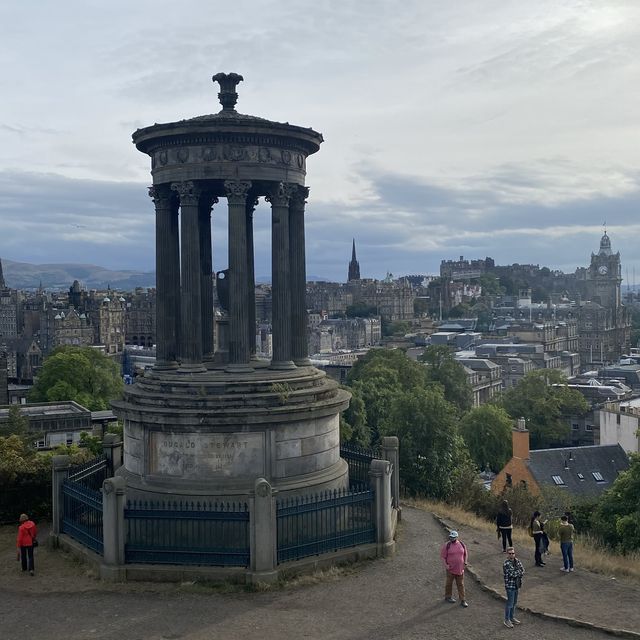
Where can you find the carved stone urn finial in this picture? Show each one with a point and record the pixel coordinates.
(228, 96)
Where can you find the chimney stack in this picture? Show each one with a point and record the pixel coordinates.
(520, 440)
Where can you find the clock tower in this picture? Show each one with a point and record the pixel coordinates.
(604, 276)
(604, 323)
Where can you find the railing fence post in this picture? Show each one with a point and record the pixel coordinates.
(263, 528)
(380, 478)
(59, 472)
(113, 499)
(391, 452)
(112, 449)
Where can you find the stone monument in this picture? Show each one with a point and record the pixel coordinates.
(207, 422)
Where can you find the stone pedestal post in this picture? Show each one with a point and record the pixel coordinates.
(190, 271)
(167, 277)
(239, 350)
(113, 499)
(380, 478)
(263, 533)
(297, 265)
(112, 449)
(281, 277)
(391, 452)
(59, 472)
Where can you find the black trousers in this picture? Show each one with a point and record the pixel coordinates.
(537, 538)
(26, 557)
(506, 538)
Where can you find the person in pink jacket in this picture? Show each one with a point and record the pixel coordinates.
(454, 555)
(25, 543)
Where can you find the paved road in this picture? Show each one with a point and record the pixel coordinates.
(385, 599)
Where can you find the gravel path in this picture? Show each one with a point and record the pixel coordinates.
(400, 597)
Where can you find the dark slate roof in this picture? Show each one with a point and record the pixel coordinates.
(607, 460)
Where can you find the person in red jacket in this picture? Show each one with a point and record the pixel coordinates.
(26, 535)
(454, 556)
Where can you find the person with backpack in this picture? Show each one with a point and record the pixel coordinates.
(455, 557)
(536, 529)
(25, 542)
(504, 525)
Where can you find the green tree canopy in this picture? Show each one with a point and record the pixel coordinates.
(361, 310)
(487, 432)
(398, 398)
(544, 400)
(17, 423)
(443, 369)
(82, 374)
(432, 454)
(616, 519)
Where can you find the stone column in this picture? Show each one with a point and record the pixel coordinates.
(263, 533)
(191, 303)
(206, 282)
(391, 453)
(239, 352)
(281, 276)
(299, 342)
(252, 203)
(112, 449)
(167, 277)
(113, 499)
(380, 478)
(59, 472)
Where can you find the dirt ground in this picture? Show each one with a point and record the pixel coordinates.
(399, 597)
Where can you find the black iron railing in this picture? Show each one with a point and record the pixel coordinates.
(90, 474)
(82, 514)
(311, 525)
(187, 533)
(359, 461)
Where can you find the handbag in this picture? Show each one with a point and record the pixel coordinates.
(34, 543)
(518, 582)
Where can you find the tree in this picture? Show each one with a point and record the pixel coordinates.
(361, 310)
(82, 374)
(487, 433)
(443, 369)
(616, 519)
(545, 401)
(17, 423)
(490, 285)
(399, 399)
(432, 454)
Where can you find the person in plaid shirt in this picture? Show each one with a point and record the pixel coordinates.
(513, 572)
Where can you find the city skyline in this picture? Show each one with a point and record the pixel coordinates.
(477, 129)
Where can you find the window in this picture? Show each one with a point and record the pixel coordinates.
(574, 426)
(580, 476)
(588, 427)
(597, 476)
(558, 480)
(509, 480)
(617, 418)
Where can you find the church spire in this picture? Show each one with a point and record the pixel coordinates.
(354, 265)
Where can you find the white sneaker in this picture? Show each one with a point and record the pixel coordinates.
(563, 569)
(571, 569)
(508, 623)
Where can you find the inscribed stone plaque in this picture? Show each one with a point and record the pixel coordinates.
(198, 456)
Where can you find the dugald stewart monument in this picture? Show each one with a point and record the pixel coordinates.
(211, 418)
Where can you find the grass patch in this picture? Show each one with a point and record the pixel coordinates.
(592, 555)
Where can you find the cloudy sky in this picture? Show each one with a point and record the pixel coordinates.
(475, 127)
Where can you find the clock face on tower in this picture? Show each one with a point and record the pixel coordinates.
(602, 270)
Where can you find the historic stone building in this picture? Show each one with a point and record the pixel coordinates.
(604, 323)
(140, 318)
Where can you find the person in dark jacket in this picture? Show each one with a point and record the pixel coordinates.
(504, 525)
(26, 535)
(537, 529)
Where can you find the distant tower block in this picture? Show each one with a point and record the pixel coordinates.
(354, 265)
(207, 423)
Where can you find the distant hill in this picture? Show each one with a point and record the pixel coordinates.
(22, 275)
